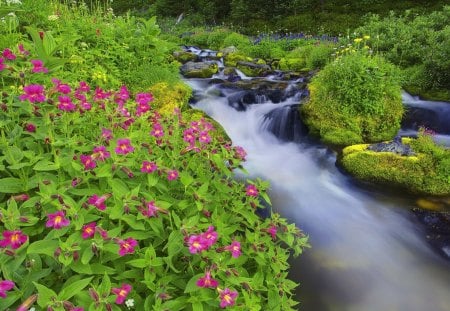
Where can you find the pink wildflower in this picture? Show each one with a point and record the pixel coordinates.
(272, 230)
(240, 153)
(251, 191)
(61, 87)
(227, 297)
(210, 236)
(151, 209)
(22, 50)
(142, 108)
(5, 285)
(34, 93)
(85, 106)
(57, 220)
(189, 136)
(2, 65)
(100, 153)
(122, 96)
(13, 238)
(30, 128)
(234, 248)
(38, 66)
(88, 162)
(88, 230)
(99, 202)
(204, 137)
(207, 281)
(66, 104)
(197, 244)
(127, 246)
(144, 98)
(172, 175)
(83, 87)
(157, 131)
(106, 134)
(8, 54)
(124, 146)
(148, 167)
(121, 292)
(100, 94)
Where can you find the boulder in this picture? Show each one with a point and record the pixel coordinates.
(184, 56)
(199, 70)
(251, 69)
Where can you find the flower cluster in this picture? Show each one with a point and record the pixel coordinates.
(202, 242)
(198, 132)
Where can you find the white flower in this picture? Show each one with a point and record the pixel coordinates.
(8, 2)
(129, 303)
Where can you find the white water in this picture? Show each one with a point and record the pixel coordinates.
(367, 253)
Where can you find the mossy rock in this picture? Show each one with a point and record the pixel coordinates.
(253, 69)
(199, 70)
(292, 64)
(231, 59)
(184, 56)
(417, 174)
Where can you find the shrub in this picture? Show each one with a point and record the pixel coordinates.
(356, 98)
(241, 42)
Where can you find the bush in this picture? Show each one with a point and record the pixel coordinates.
(354, 99)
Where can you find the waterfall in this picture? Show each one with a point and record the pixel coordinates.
(368, 251)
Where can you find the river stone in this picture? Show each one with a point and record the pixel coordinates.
(251, 69)
(199, 70)
(184, 56)
(395, 146)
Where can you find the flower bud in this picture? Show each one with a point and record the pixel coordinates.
(93, 294)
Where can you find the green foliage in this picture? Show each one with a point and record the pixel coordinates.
(417, 43)
(427, 173)
(237, 40)
(362, 92)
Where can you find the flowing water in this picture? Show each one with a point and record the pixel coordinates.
(368, 251)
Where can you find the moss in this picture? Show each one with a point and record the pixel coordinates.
(231, 59)
(168, 97)
(417, 174)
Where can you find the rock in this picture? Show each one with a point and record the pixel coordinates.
(395, 146)
(199, 70)
(184, 56)
(437, 229)
(251, 69)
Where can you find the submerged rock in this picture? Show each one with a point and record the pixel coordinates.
(395, 146)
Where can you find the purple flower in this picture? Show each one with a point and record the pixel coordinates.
(251, 191)
(57, 220)
(148, 167)
(8, 54)
(227, 297)
(34, 93)
(234, 248)
(13, 238)
(204, 137)
(38, 66)
(121, 292)
(124, 146)
(207, 281)
(100, 153)
(88, 162)
(157, 131)
(5, 285)
(197, 244)
(66, 104)
(127, 246)
(88, 230)
(172, 175)
(99, 202)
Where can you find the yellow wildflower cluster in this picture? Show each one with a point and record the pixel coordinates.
(168, 97)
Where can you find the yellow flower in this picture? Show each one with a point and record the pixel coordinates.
(357, 40)
(366, 37)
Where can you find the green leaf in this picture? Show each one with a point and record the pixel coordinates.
(105, 286)
(11, 185)
(46, 247)
(186, 179)
(118, 187)
(73, 289)
(45, 295)
(45, 165)
(87, 255)
(191, 285)
(138, 263)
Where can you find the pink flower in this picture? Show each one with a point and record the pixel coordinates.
(85, 106)
(122, 96)
(272, 230)
(66, 104)
(88, 230)
(142, 108)
(30, 128)
(5, 285)
(8, 54)
(196, 244)
(148, 167)
(240, 153)
(100, 94)
(207, 281)
(22, 50)
(189, 136)
(88, 162)
(106, 134)
(100, 153)
(2, 65)
(157, 131)
(38, 66)
(251, 191)
(227, 297)
(34, 93)
(151, 209)
(172, 175)
(124, 146)
(204, 137)
(144, 98)
(127, 246)
(234, 248)
(121, 292)
(57, 220)
(61, 87)
(13, 238)
(99, 202)
(83, 87)
(210, 236)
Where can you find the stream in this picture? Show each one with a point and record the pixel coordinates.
(369, 252)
